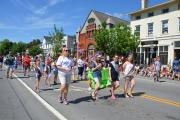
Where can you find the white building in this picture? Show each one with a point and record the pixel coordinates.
(47, 45)
(68, 41)
(159, 30)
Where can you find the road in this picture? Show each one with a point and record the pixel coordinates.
(152, 101)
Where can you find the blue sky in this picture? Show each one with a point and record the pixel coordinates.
(25, 20)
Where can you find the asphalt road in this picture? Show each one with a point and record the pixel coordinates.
(152, 101)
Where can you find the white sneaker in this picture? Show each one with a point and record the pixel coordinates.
(89, 88)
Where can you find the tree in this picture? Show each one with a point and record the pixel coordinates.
(35, 50)
(5, 46)
(19, 47)
(34, 43)
(117, 40)
(57, 38)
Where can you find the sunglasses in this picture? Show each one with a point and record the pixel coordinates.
(66, 50)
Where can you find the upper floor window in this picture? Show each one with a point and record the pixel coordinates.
(111, 25)
(178, 6)
(137, 30)
(150, 14)
(150, 28)
(165, 10)
(138, 17)
(179, 24)
(164, 26)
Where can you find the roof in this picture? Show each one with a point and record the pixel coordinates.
(48, 39)
(103, 17)
(155, 7)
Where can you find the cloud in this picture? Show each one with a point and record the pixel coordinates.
(37, 22)
(35, 9)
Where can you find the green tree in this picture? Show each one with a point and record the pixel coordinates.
(34, 43)
(18, 47)
(57, 38)
(5, 46)
(35, 50)
(117, 40)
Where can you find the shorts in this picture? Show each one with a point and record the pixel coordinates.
(115, 77)
(10, 67)
(129, 77)
(80, 70)
(64, 78)
(158, 73)
(96, 79)
(26, 67)
(38, 76)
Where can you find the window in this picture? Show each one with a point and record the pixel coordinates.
(163, 53)
(165, 10)
(179, 6)
(111, 25)
(150, 14)
(150, 28)
(164, 26)
(138, 17)
(137, 30)
(179, 24)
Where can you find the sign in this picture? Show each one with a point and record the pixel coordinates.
(91, 20)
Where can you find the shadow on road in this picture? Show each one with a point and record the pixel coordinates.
(83, 99)
(139, 93)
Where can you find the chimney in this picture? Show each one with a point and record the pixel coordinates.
(144, 4)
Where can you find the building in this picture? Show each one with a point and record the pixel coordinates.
(47, 45)
(86, 43)
(159, 30)
(68, 41)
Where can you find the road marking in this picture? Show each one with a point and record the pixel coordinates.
(43, 102)
(157, 99)
(177, 104)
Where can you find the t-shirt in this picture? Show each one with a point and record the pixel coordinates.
(65, 62)
(80, 63)
(128, 69)
(27, 61)
(157, 65)
(176, 63)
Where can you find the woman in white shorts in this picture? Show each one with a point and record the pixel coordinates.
(129, 72)
(64, 65)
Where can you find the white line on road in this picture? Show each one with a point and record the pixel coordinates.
(43, 102)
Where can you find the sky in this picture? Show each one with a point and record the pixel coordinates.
(25, 20)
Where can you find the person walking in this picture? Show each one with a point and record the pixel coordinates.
(64, 65)
(1, 61)
(157, 67)
(128, 69)
(38, 73)
(27, 61)
(96, 69)
(80, 64)
(114, 75)
(10, 62)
